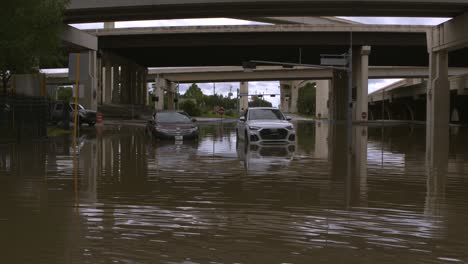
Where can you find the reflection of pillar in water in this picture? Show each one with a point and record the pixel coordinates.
(89, 166)
(359, 182)
(321, 139)
(115, 169)
(133, 159)
(339, 158)
(338, 150)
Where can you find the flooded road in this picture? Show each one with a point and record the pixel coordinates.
(134, 200)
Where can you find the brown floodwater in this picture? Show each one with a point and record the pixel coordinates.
(134, 200)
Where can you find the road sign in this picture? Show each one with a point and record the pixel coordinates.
(221, 111)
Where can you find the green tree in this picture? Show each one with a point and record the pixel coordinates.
(65, 94)
(259, 102)
(306, 99)
(30, 36)
(190, 107)
(194, 92)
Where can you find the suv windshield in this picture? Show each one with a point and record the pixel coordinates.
(172, 117)
(265, 114)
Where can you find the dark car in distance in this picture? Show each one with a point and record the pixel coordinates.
(84, 115)
(172, 125)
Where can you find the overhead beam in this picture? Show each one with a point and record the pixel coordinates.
(80, 11)
(77, 40)
(231, 73)
(451, 35)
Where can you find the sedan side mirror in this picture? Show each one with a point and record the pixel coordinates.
(242, 118)
(194, 120)
(288, 118)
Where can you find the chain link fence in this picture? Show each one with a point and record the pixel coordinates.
(23, 118)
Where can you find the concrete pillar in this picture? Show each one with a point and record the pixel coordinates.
(321, 99)
(160, 85)
(244, 96)
(321, 140)
(133, 85)
(360, 188)
(90, 85)
(285, 96)
(88, 78)
(360, 82)
(171, 95)
(107, 83)
(144, 77)
(115, 84)
(438, 106)
(338, 97)
(100, 83)
(294, 96)
(124, 84)
(109, 25)
(138, 87)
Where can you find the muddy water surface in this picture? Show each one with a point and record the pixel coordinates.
(134, 200)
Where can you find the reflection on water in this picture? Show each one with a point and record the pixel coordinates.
(217, 200)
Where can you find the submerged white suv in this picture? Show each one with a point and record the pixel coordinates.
(265, 125)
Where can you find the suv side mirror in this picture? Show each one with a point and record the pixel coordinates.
(242, 118)
(194, 120)
(288, 118)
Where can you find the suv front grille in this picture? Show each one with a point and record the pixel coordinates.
(274, 134)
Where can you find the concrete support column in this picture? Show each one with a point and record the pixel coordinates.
(285, 96)
(321, 140)
(107, 83)
(124, 83)
(134, 85)
(360, 188)
(88, 79)
(438, 106)
(109, 25)
(363, 85)
(144, 98)
(100, 81)
(294, 96)
(321, 99)
(160, 85)
(360, 82)
(171, 95)
(115, 84)
(244, 96)
(338, 97)
(138, 87)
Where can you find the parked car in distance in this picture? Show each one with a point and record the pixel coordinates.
(84, 115)
(172, 125)
(265, 125)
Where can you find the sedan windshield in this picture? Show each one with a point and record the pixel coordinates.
(265, 114)
(172, 117)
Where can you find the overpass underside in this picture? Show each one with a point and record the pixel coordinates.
(81, 11)
(221, 46)
(414, 108)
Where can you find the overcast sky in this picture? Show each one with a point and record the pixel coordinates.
(262, 87)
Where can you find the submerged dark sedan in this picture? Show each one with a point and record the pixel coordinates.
(172, 125)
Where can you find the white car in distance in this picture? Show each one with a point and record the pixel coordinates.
(265, 125)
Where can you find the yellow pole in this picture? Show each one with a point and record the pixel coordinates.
(75, 127)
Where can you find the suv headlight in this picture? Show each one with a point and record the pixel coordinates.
(254, 128)
(290, 128)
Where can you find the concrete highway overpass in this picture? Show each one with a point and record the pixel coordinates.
(80, 11)
(237, 74)
(407, 100)
(232, 45)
